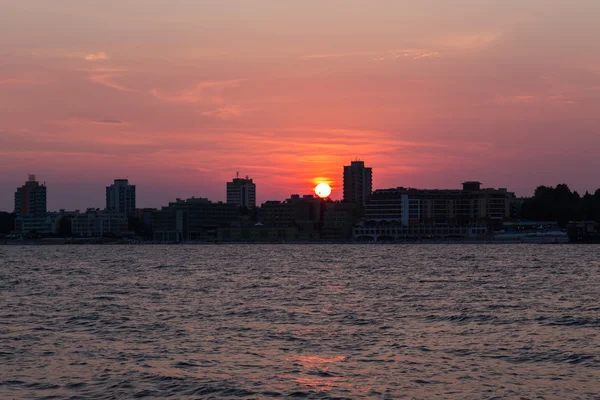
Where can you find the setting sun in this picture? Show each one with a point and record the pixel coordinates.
(323, 190)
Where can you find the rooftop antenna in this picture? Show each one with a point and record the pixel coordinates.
(237, 175)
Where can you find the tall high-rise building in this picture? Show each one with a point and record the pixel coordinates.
(120, 197)
(30, 199)
(30, 207)
(358, 182)
(241, 192)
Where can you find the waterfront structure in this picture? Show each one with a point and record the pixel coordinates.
(358, 183)
(303, 213)
(241, 192)
(277, 214)
(392, 232)
(406, 212)
(583, 232)
(146, 215)
(257, 233)
(308, 216)
(31, 207)
(338, 220)
(194, 219)
(30, 199)
(98, 223)
(120, 197)
(54, 220)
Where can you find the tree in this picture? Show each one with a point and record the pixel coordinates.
(140, 228)
(7, 222)
(64, 227)
(561, 205)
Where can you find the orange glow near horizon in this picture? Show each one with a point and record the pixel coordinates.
(428, 94)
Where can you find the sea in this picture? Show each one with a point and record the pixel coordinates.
(373, 321)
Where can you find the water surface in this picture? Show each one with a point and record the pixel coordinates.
(308, 321)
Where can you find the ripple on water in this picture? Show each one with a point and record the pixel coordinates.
(307, 322)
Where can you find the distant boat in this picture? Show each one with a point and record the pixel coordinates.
(583, 232)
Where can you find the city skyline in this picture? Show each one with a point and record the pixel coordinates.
(337, 193)
(430, 93)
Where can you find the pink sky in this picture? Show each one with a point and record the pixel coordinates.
(180, 95)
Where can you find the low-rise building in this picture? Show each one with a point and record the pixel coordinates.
(98, 223)
(302, 213)
(405, 212)
(338, 220)
(257, 233)
(194, 219)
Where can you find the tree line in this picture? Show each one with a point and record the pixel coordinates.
(7, 222)
(560, 204)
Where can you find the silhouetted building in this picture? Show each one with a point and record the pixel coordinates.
(30, 207)
(257, 233)
(471, 186)
(338, 220)
(146, 215)
(308, 216)
(98, 223)
(195, 219)
(402, 212)
(277, 214)
(358, 182)
(304, 215)
(120, 197)
(241, 192)
(30, 199)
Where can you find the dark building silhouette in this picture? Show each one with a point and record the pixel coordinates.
(98, 223)
(358, 183)
(30, 207)
(120, 197)
(241, 192)
(405, 212)
(195, 219)
(338, 220)
(30, 199)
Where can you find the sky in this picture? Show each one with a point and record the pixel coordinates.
(178, 96)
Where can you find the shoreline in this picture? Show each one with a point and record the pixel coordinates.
(404, 242)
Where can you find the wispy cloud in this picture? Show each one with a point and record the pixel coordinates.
(15, 82)
(414, 54)
(202, 92)
(561, 99)
(556, 99)
(224, 113)
(336, 55)
(79, 121)
(470, 41)
(520, 99)
(68, 53)
(107, 80)
(100, 56)
(109, 121)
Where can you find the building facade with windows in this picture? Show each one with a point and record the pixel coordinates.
(120, 197)
(194, 219)
(405, 212)
(241, 192)
(358, 183)
(31, 207)
(98, 223)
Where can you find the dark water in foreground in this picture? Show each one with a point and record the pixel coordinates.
(322, 321)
